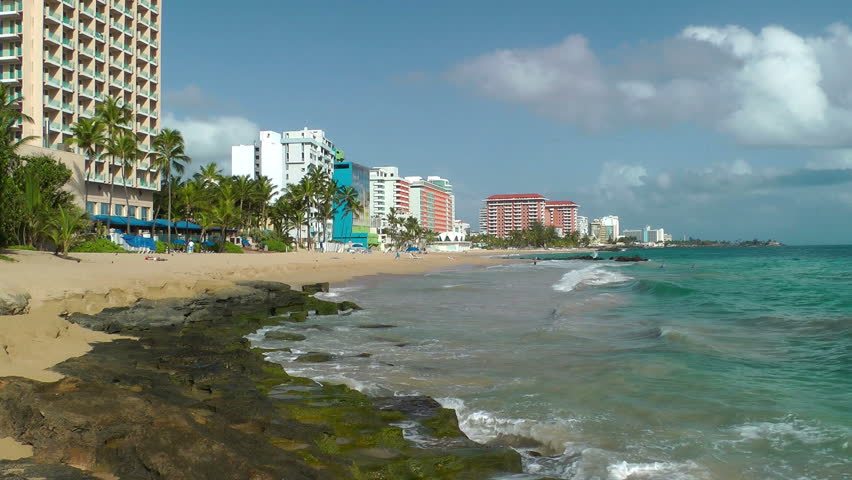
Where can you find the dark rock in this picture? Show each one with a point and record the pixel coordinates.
(26, 469)
(635, 258)
(315, 288)
(315, 357)
(282, 335)
(364, 355)
(402, 345)
(14, 303)
(584, 257)
(298, 317)
(347, 305)
(377, 325)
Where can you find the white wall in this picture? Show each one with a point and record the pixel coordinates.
(242, 160)
(272, 159)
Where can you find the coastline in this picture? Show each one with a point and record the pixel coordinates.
(187, 382)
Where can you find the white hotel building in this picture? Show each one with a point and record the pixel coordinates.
(284, 157)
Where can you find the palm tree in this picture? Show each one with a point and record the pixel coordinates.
(65, 228)
(11, 115)
(347, 198)
(115, 116)
(394, 222)
(190, 198)
(224, 213)
(263, 191)
(310, 187)
(243, 188)
(209, 175)
(295, 198)
(89, 135)
(169, 154)
(125, 148)
(33, 210)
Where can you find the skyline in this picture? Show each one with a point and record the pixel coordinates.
(670, 117)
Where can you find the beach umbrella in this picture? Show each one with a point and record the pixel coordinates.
(412, 249)
(179, 241)
(208, 243)
(358, 245)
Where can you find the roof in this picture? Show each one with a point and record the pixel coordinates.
(560, 202)
(511, 196)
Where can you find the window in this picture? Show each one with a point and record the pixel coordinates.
(90, 208)
(144, 215)
(131, 211)
(118, 210)
(104, 209)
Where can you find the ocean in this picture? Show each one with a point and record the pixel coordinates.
(703, 363)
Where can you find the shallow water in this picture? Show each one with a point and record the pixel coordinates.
(725, 363)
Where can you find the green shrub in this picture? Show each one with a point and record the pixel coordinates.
(277, 246)
(160, 246)
(22, 247)
(231, 248)
(7, 259)
(101, 245)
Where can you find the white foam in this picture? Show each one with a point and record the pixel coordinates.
(786, 431)
(654, 471)
(592, 275)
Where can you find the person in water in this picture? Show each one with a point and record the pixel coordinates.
(535, 261)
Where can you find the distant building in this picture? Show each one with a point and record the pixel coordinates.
(483, 220)
(646, 235)
(561, 215)
(388, 191)
(431, 202)
(511, 212)
(284, 157)
(353, 226)
(583, 225)
(606, 228)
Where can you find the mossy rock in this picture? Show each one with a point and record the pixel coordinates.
(315, 288)
(298, 317)
(321, 307)
(444, 425)
(347, 305)
(289, 309)
(315, 357)
(281, 335)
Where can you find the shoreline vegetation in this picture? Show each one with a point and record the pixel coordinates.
(188, 398)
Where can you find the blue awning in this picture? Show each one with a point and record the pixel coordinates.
(412, 249)
(208, 243)
(179, 241)
(117, 220)
(163, 223)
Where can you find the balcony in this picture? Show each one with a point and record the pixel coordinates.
(67, 65)
(52, 104)
(68, 22)
(68, 43)
(10, 77)
(96, 177)
(10, 54)
(10, 32)
(52, 82)
(87, 12)
(52, 37)
(54, 127)
(68, 86)
(52, 60)
(151, 25)
(87, 93)
(11, 10)
(70, 3)
(52, 17)
(68, 108)
(86, 72)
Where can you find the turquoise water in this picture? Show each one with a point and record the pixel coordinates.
(726, 363)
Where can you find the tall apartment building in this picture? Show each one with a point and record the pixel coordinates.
(388, 190)
(64, 57)
(561, 215)
(284, 157)
(509, 212)
(518, 211)
(583, 225)
(431, 202)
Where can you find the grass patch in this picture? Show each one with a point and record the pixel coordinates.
(22, 247)
(101, 245)
(7, 259)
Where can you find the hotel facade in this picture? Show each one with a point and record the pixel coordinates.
(506, 213)
(64, 57)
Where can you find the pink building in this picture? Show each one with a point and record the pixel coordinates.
(508, 212)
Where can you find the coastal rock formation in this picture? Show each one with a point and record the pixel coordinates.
(315, 288)
(315, 357)
(191, 400)
(635, 258)
(14, 303)
(286, 336)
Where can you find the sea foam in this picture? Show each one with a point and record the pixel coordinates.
(592, 275)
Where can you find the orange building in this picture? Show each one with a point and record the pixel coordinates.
(518, 211)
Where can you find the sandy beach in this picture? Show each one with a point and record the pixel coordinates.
(34, 342)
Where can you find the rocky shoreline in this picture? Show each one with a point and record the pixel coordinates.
(190, 399)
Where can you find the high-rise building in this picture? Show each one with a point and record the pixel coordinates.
(610, 230)
(483, 220)
(284, 157)
(388, 190)
(583, 225)
(518, 211)
(64, 58)
(354, 226)
(561, 215)
(431, 203)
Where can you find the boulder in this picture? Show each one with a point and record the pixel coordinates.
(347, 305)
(315, 357)
(14, 303)
(281, 335)
(635, 258)
(297, 316)
(315, 288)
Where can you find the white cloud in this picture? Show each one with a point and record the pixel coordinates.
(210, 139)
(772, 87)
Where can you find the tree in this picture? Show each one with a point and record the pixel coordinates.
(243, 189)
(347, 198)
(262, 194)
(127, 150)
(224, 213)
(88, 134)
(66, 227)
(209, 175)
(11, 116)
(295, 198)
(115, 116)
(169, 155)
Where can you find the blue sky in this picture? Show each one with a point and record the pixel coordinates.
(718, 119)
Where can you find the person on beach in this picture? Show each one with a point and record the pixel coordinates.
(190, 247)
(397, 255)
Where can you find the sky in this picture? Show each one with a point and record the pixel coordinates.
(715, 120)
